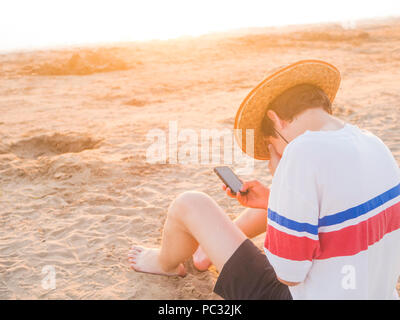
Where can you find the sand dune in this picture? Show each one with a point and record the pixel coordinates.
(75, 188)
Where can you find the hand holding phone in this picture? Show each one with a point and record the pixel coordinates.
(256, 194)
(230, 179)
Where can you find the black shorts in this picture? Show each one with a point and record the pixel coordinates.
(248, 275)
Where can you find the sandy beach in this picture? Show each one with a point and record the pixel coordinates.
(76, 190)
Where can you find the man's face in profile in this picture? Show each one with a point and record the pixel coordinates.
(277, 142)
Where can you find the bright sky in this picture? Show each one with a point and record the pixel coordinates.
(37, 23)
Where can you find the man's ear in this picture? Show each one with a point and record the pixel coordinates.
(278, 123)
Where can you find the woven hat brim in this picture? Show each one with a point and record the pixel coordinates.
(253, 108)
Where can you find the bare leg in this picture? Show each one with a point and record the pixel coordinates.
(192, 218)
(252, 222)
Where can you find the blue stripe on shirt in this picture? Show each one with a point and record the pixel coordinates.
(360, 209)
(291, 224)
(337, 217)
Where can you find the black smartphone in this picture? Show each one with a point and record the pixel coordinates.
(229, 178)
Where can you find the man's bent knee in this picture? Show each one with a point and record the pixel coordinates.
(187, 203)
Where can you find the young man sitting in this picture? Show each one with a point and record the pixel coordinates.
(331, 217)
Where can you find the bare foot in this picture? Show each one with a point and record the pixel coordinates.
(200, 260)
(143, 259)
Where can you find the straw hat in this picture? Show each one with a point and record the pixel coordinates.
(254, 106)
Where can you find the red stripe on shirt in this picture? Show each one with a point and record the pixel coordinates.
(354, 239)
(344, 242)
(288, 246)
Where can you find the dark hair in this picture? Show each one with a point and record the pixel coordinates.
(294, 101)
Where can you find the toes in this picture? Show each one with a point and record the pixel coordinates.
(133, 256)
(137, 248)
(132, 261)
(134, 251)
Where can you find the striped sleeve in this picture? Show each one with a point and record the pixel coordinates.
(291, 241)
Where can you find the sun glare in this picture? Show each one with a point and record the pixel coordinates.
(25, 23)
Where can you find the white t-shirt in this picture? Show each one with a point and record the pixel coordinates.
(334, 216)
